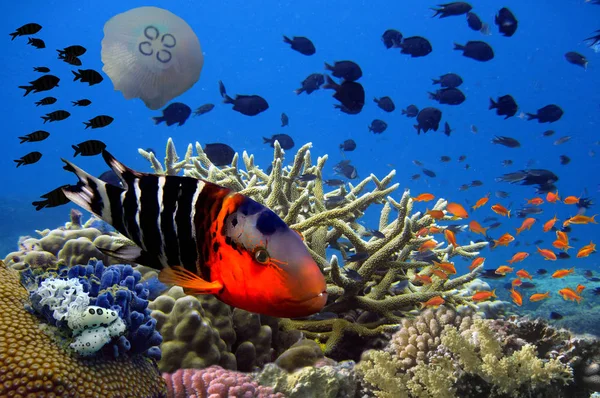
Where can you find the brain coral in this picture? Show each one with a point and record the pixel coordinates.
(32, 364)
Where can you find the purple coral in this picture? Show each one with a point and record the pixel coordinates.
(215, 382)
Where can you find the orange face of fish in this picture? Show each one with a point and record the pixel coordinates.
(263, 265)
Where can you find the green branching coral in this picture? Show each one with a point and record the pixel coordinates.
(305, 208)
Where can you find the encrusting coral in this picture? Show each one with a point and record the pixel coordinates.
(363, 306)
(32, 363)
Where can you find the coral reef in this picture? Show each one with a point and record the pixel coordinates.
(32, 363)
(365, 307)
(443, 354)
(215, 382)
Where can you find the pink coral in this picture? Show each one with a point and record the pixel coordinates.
(215, 382)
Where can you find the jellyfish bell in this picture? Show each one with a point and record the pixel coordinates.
(151, 54)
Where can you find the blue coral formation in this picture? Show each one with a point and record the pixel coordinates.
(117, 288)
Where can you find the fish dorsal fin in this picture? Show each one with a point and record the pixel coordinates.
(190, 282)
(125, 174)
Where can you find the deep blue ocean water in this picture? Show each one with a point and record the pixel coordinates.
(243, 47)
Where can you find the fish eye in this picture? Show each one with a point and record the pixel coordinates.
(261, 255)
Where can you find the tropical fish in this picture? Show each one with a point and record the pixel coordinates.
(447, 267)
(539, 296)
(516, 297)
(547, 254)
(476, 263)
(503, 270)
(450, 238)
(440, 274)
(433, 302)
(569, 295)
(561, 273)
(518, 257)
(499, 209)
(484, 295)
(527, 223)
(524, 274)
(205, 238)
(548, 225)
(481, 202)
(457, 210)
(475, 227)
(435, 214)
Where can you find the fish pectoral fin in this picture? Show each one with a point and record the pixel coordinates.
(190, 282)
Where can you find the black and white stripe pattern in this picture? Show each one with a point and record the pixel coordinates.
(155, 212)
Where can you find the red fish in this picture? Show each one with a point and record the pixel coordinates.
(206, 238)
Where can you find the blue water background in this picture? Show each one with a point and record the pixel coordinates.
(242, 43)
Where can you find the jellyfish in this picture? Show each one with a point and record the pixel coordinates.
(151, 54)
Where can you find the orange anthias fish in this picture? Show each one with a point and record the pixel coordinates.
(481, 202)
(526, 225)
(535, 201)
(547, 254)
(562, 236)
(483, 295)
(569, 295)
(427, 245)
(422, 232)
(561, 245)
(552, 197)
(447, 267)
(503, 270)
(475, 227)
(585, 251)
(571, 200)
(516, 297)
(499, 209)
(549, 224)
(520, 256)
(581, 219)
(435, 214)
(433, 302)
(435, 229)
(457, 210)
(450, 237)
(539, 296)
(504, 240)
(580, 288)
(561, 273)
(205, 238)
(424, 279)
(424, 197)
(440, 274)
(524, 274)
(476, 263)
(516, 282)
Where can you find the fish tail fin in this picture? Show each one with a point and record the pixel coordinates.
(77, 150)
(27, 89)
(299, 91)
(438, 11)
(330, 83)
(74, 103)
(38, 103)
(61, 54)
(23, 139)
(531, 116)
(404, 112)
(14, 35)
(328, 67)
(227, 99)
(40, 204)
(431, 95)
(46, 118)
(29, 40)
(287, 40)
(157, 119)
(494, 293)
(435, 81)
(416, 126)
(267, 140)
(19, 162)
(493, 104)
(77, 75)
(458, 46)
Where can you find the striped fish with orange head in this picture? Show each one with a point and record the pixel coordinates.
(205, 238)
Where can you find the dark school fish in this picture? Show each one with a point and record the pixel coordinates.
(99, 122)
(54, 198)
(56, 116)
(46, 101)
(44, 83)
(81, 102)
(25, 30)
(30, 158)
(88, 76)
(36, 136)
(301, 44)
(89, 148)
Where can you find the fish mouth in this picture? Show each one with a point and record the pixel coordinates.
(311, 305)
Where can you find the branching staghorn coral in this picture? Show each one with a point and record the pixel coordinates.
(304, 206)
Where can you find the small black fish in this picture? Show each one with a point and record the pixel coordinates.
(54, 198)
(415, 177)
(334, 182)
(311, 83)
(417, 163)
(527, 285)
(452, 9)
(46, 101)
(374, 232)
(36, 136)
(219, 154)
(411, 111)
(110, 177)
(507, 162)
(428, 119)
(222, 90)
(44, 83)
(56, 116)
(249, 105)
(576, 59)
(301, 44)
(347, 70)
(285, 120)
(41, 69)
(462, 158)
(201, 110)
(285, 141)
(502, 194)
(378, 126)
(538, 242)
(348, 145)
(548, 114)
(596, 291)
(385, 103)
(37, 43)
(25, 30)
(75, 50)
(464, 187)
(89, 148)
(429, 173)
(594, 279)
(391, 38)
(449, 80)
(490, 273)
(445, 159)
(564, 160)
(477, 50)
(99, 122)
(335, 200)
(476, 183)
(506, 106)
(347, 170)
(563, 256)
(562, 140)
(357, 257)
(81, 102)
(566, 229)
(416, 46)
(555, 316)
(548, 133)
(495, 225)
(474, 21)
(351, 95)
(490, 218)
(541, 271)
(72, 60)
(30, 158)
(89, 76)
(176, 112)
(449, 96)
(306, 177)
(506, 141)
(588, 273)
(506, 21)
(350, 273)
